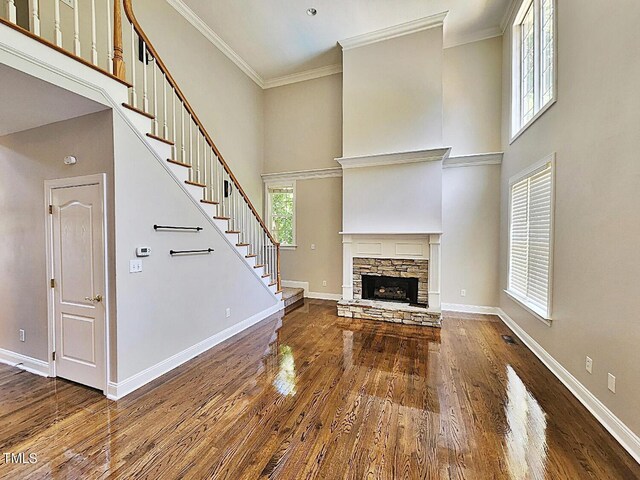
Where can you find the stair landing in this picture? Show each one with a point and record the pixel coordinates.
(292, 295)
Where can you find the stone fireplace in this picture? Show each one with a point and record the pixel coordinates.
(392, 278)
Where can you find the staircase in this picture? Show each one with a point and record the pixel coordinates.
(157, 107)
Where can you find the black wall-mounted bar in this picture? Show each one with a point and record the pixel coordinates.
(170, 227)
(191, 252)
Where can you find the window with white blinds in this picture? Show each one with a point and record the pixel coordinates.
(530, 239)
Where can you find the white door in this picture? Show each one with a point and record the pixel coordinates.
(78, 272)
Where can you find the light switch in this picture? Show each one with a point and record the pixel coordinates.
(135, 266)
(313, 246)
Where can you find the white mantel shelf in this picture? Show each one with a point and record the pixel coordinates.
(415, 156)
(390, 233)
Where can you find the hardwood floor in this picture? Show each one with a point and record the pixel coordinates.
(313, 395)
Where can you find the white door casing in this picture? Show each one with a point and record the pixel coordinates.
(77, 264)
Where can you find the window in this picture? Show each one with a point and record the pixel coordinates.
(534, 84)
(530, 237)
(281, 212)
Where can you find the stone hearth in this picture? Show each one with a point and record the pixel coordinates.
(389, 312)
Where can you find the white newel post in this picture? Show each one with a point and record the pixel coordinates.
(347, 268)
(434, 272)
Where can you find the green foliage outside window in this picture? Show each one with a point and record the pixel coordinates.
(282, 214)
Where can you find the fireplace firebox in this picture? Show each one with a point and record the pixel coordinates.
(390, 289)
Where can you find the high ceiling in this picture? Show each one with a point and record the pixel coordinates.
(278, 38)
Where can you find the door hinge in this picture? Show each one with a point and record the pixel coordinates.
(50, 209)
(53, 356)
(53, 283)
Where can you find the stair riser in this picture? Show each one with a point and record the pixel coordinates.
(142, 123)
(162, 149)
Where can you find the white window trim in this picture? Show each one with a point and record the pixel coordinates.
(545, 317)
(516, 128)
(267, 207)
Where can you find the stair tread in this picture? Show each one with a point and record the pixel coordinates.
(195, 184)
(251, 255)
(273, 283)
(176, 162)
(266, 275)
(259, 266)
(160, 139)
(242, 244)
(232, 231)
(137, 110)
(222, 218)
(208, 202)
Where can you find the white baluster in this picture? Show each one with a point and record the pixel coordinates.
(183, 158)
(198, 166)
(76, 28)
(56, 23)
(134, 94)
(109, 37)
(35, 17)
(173, 126)
(145, 97)
(94, 46)
(165, 126)
(155, 98)
(11, 11)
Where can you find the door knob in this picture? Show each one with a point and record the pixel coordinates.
(96, 299)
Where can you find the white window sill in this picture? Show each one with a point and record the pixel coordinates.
(288, 247)
(529, 308)
(542, 111)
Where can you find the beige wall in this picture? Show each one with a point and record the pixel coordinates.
(303, 131)
(318, 221)
(228, 102)
(303, 125)
(393, 95)
(472, 84)
(27, 159)
(470, 243)
(593, 128)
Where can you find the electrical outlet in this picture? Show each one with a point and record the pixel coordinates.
(22, 335)
(463, 293)
(313, 246)
(611, 383)
(589, 365)
(228, 313)
(324, 283)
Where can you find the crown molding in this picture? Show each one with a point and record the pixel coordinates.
(430, 155)
(471, 37)
(303, 76)
(213, 37)
(388, 33)
(475, 160)
(508, 14)
(302, 175)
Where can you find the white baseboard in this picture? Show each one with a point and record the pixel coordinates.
(480, 309)
(29, 364)
(623, 434)
(116, 391)
(308, 294)
(324, 296)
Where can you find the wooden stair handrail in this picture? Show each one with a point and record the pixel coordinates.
(128, 9)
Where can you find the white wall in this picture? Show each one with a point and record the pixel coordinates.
(176, 302)
(393, 95)
(593, 128)
(405, 198)
(27, 159)
(227, 101)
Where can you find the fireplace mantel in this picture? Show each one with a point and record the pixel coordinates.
(395, 158)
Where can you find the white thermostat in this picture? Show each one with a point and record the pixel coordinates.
(143, 252)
